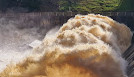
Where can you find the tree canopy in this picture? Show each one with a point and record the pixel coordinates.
(68, 5)
(126, 5)
(89, 5)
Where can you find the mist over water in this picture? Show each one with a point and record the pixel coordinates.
(15, 37)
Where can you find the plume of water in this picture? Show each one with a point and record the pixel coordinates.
(86, 46)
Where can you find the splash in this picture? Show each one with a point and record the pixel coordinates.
(86, 46)
(16, 33)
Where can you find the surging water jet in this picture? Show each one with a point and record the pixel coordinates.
(86, 46)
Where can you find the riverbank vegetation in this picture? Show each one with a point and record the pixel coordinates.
(66, 5)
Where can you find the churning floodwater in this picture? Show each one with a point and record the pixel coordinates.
(86, 46)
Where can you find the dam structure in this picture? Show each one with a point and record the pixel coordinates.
(58, 18)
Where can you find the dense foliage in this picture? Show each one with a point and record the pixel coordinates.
(89, 5)
(127, 5)
(68, 5)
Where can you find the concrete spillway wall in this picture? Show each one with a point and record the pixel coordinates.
(58, 18)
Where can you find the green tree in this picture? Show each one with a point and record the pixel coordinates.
(126, 5)
(88, 5)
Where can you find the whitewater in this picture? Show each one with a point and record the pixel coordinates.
(86, 46)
